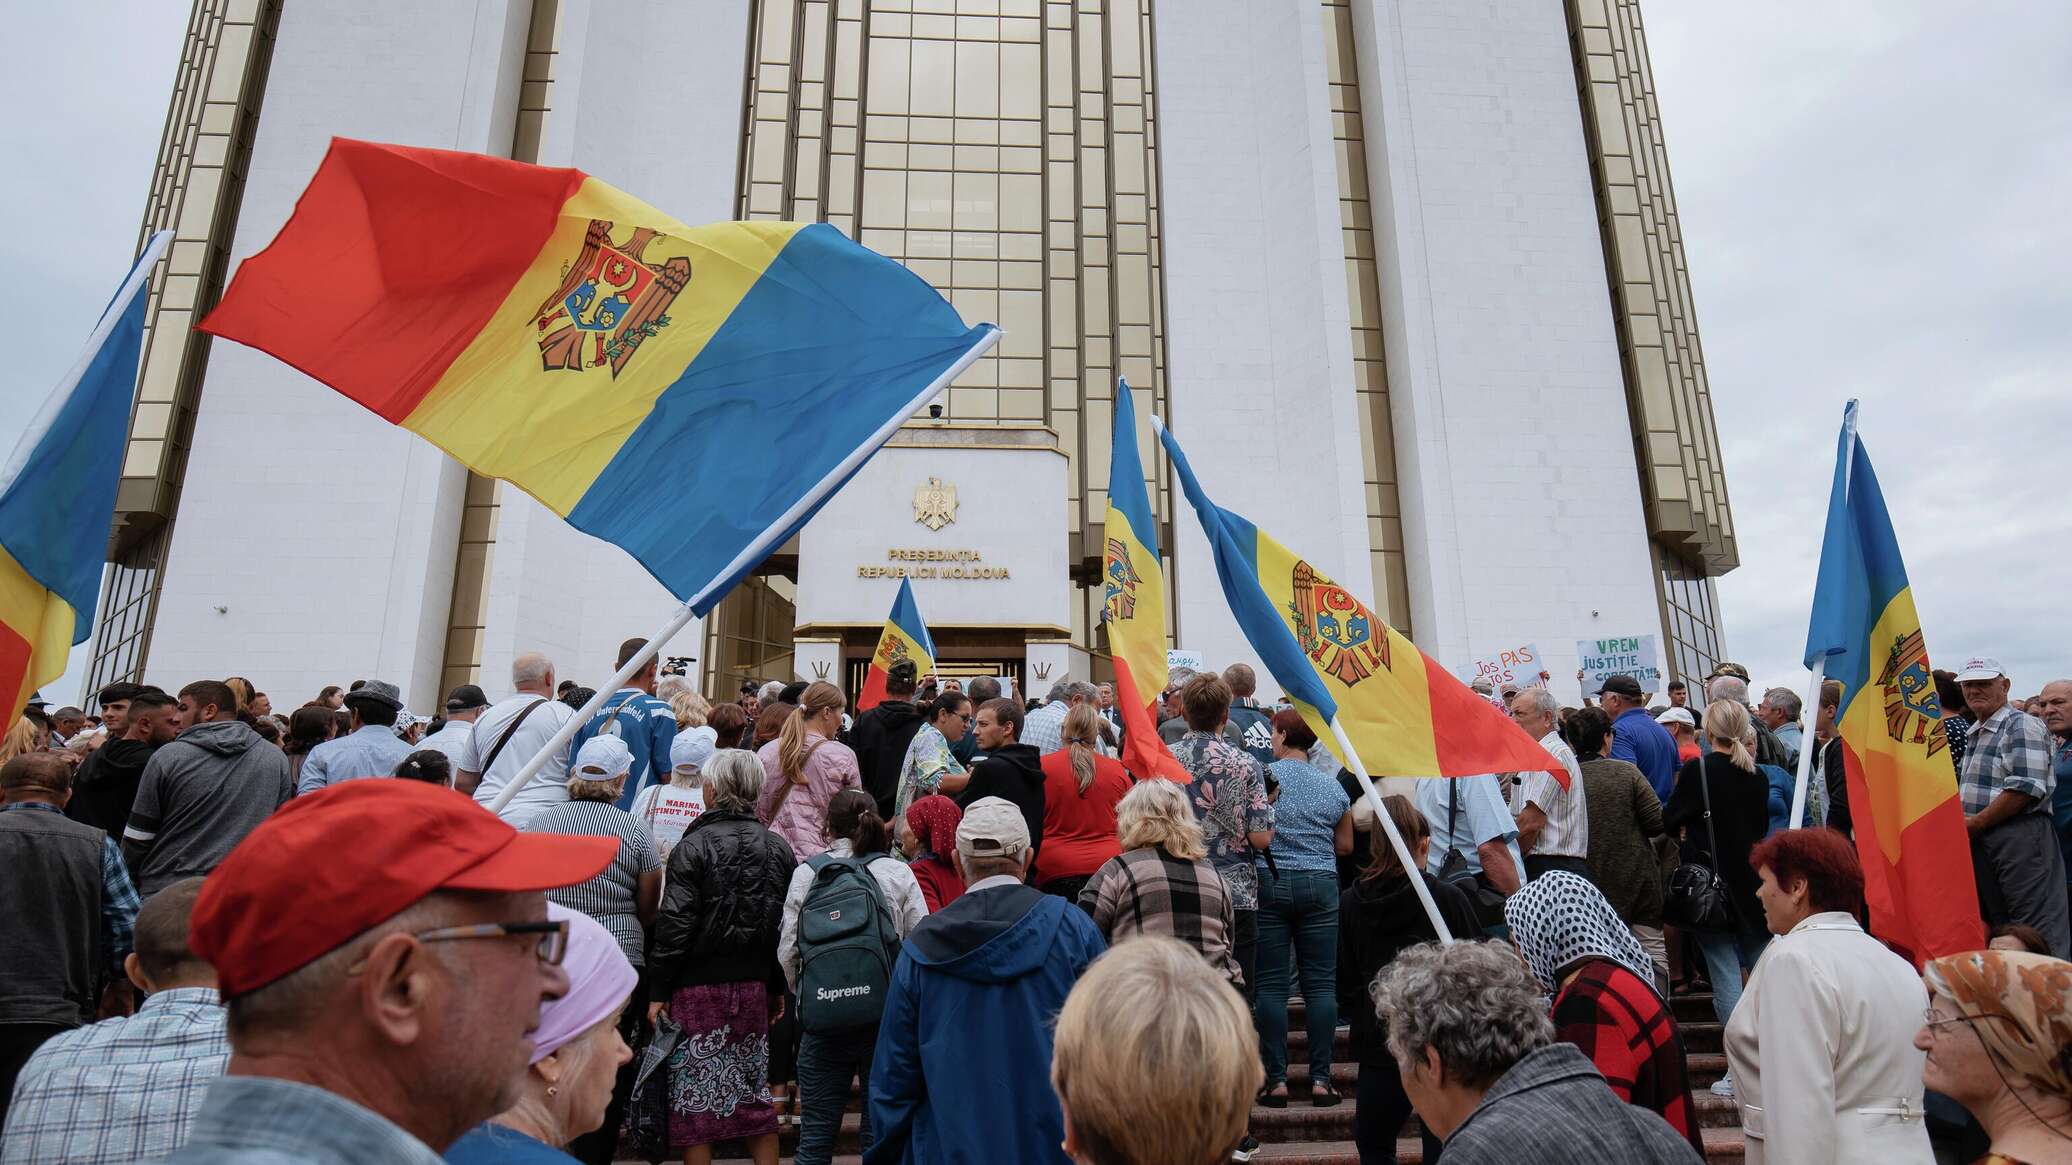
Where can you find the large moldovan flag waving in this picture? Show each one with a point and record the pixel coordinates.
(549, 330)
(57, 497)
(1405, 715)
(1917, 874)
(1134, 608)
(904, 640)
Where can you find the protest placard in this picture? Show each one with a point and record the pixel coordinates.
(1632, 655)
(1519, 666)
(1188, 659)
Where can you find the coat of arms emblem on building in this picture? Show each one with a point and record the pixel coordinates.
(1338, 633)
(610, 300)
(1912, 713)
(935, 503)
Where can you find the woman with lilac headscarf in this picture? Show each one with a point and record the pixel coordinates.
(576, 1054)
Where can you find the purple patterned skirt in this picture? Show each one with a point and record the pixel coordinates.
(719, 1086)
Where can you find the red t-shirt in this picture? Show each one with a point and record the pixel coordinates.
(1079, 828)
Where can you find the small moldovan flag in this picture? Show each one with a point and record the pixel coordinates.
(549, 330)
(57, 497)
(904, 640)
(1917, 873)
(1134, 607)
(1405, 715)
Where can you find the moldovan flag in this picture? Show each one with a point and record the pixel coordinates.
(905, 639)
(549, 330)
(1134, 608)
(57, 497)
(1917, 873)
(1404, 714)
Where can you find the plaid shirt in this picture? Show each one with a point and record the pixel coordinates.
(121, 1090)
(1149, 891)
(119, 901)
(2008, 752)
(1621, 1024)
(1045, 727)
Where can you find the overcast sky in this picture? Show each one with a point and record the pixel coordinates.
(1866, 193)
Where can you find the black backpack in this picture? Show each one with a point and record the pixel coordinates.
(848, 943)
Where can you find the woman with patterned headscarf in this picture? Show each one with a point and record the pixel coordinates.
(1999, 1042)
(1605, 1003)
(933, 821)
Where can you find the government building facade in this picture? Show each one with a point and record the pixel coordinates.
(1403, 276)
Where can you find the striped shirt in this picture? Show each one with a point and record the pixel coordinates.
(1567, 832)
(610, 896)
(121, 1090)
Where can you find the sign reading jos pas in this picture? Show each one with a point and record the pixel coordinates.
(1634, 655)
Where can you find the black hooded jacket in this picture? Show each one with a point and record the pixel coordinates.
(1014, 773)
(107, 784)
(880, 738)
(1378, 918)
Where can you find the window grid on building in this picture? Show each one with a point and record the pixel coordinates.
(1363, 295)
(196, 191)
(1690, 605)
(1004, 150)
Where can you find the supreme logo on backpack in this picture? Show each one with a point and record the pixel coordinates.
(848, 944)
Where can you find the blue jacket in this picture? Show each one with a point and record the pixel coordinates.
(963, 1059)
(1782, 786)
(1647, 745)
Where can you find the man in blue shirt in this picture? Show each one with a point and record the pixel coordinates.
(1636, 737)
(2057, 716)
(634, 715)
(1468, 815)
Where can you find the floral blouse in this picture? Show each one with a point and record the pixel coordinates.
(1229, 794)
(928, 761)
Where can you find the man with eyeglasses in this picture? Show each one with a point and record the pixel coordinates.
(382, 949)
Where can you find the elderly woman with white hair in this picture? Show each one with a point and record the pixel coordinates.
(1468, 1027)
(1162, 882)
(576, 1054)
(714, 966)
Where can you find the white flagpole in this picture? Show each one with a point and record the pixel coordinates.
(1808, 742)
(667, 631)
(1388, 826)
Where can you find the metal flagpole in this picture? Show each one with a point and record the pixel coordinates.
(1812, 702)
(567, 732)
(1388, 825)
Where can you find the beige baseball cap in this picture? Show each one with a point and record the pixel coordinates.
(992, 828)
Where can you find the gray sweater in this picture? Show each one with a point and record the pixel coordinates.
(199, 797)
(1554, 1108)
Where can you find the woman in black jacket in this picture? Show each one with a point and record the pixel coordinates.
(715, 962)
(1379, 916)
(1740, 797)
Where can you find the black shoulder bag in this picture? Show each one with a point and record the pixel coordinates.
(1698, 897)
(1487, 900)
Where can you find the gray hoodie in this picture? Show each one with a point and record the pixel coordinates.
(199, 797)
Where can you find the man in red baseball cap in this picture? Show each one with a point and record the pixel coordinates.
(382, 949)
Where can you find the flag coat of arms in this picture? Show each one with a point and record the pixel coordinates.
(549, 330)
(904, 640)
(1133, 606)
(1903, 799)
(1405, 715)
(57, 497)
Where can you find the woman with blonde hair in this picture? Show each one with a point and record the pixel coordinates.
(806, 766)
(1162, 882)
(25, 736)
(1081, 789)
(1721, 802)
(1164, 1085)
(692, 710)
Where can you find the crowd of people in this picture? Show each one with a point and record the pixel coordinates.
(705, 924)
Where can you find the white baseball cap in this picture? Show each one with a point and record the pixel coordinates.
(1980, 667)
(1677, 716)
(692, 748)
(602, 758)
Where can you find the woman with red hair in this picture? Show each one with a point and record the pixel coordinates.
(1821, 1045)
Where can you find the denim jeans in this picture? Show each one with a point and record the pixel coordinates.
(826, 1065)
(1726, 956)
(1298, 914)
